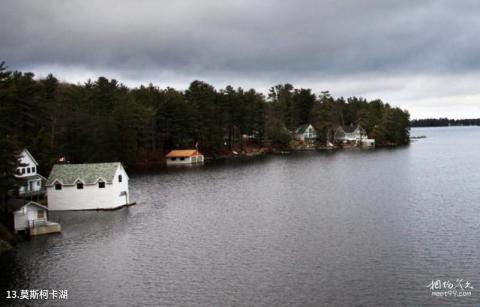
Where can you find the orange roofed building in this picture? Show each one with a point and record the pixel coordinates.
(184, 157)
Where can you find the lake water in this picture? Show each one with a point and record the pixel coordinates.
(312, 229)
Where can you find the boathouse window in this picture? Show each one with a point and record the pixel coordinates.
(23, 170)
(119, 178)
(101, 185)
(173, 159)
(79, 186)
(182, 158)
(28, 170)
(33, 169)
(40, 214)
(38, 183)
(58, 186)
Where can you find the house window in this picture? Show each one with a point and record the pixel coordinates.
(79, 186)
(33, 169)
(173, 159)
(23, 170)
(119, 178)
(101, 185)
(182, 158)
(58, 186)
(19, 171)
(38, 183)
(40, 214)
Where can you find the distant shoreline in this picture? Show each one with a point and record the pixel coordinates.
(457, 126)
(444, 122)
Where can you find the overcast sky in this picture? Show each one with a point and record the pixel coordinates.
(423, 56)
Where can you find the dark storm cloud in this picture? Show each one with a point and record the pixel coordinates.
(267, 41)
(247, 37)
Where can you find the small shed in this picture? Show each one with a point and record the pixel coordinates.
(31, 217)
(184, 157)
(368, 143)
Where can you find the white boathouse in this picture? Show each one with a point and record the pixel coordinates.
(88, 187)
(184, 157)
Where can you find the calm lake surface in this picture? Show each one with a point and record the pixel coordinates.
(312, 229)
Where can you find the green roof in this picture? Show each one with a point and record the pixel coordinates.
(88, 173)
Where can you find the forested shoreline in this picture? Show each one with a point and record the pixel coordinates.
(444, 122)
(103, 120)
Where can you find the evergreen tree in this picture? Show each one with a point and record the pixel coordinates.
(9, 148)
(103, 120)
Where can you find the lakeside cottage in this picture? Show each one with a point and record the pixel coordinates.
(87, 186)
(353, 135)
(349, 134)
(31, 217)
(306, 133)
(31, 181)
(184, 157)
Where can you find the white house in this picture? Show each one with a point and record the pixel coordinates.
(350, 134)
(87, 186)
(27, 172)
(356, 135)
(184, 157)
(32, 218)
(305, 133)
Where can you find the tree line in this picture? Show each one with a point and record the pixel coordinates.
(443, 122)
(103, 120)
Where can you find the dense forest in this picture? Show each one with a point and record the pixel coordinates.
(443, 122)
(103, 120)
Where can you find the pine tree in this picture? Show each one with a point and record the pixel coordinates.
(9, 148)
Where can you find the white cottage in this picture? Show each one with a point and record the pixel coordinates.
(88, 186)
(356, 135)
(184, 157)
(350, 134)
(27, 173)
(305, 133)
(31, 217)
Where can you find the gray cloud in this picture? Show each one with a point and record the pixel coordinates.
(246, 42)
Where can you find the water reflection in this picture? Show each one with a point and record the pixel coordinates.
(344, 228)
